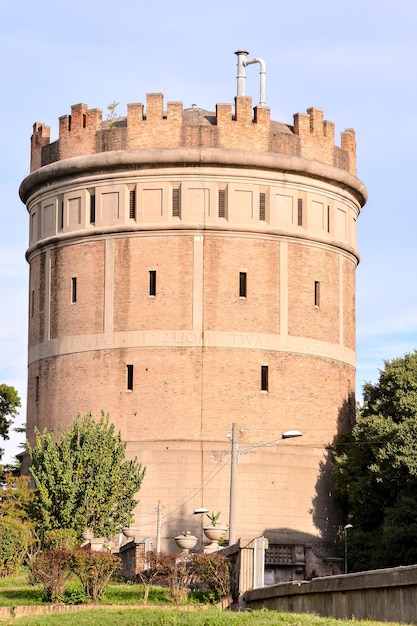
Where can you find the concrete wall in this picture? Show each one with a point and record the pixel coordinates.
(384, 595)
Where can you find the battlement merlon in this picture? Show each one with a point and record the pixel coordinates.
(84, 132)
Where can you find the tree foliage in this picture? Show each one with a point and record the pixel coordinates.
(9, 404)
(82, 480)
(376, 470)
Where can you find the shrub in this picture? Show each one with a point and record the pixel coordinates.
(60, 539)
(52, 570)
(94, 569)
(15, 542)
(167, 569)
(212, 572)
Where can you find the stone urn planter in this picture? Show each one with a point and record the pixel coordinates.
(214, 532)
(129, 533)
(186, 541)
(87, 535)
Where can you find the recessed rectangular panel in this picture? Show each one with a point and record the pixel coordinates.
(152, 203)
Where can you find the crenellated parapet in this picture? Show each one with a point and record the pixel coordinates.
(238, 127)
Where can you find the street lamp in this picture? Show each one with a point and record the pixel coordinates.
(235, 456)
(201, 511)
(346, 528)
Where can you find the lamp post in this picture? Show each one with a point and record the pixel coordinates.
(201, 511)
(234, 462)
(346, 528)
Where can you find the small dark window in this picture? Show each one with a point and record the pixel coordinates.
(61, 215)
(132, 204)
(73, 290)
(262, 206)
(328, 219)
(316, 293)
(176, 203)
(92, 208)
(84, 120)
(69, 122)
(242, 285)
(264, 377)
(222, 203)
(300, 212)
(37, 389)
(32, 304)
(152, 283)
(129, 375)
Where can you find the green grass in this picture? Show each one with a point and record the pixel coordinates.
(174, 617)
(16, 591)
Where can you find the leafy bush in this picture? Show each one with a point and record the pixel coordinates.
(212, 572)
(52, 570)
(15, 542)
(94, 569)
(60, 539)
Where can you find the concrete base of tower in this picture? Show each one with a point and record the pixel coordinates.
(282, 492)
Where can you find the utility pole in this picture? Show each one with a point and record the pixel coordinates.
(159, 525)
(232, 498)
(234, 462)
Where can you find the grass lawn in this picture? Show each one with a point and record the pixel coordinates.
(175, 617)
(16, 591)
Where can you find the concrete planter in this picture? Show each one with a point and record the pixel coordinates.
(186, 542)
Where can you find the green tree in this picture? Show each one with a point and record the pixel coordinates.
(82, 480)
(9, 404)
(375, 480)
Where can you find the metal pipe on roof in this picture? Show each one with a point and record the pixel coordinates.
(241, 74)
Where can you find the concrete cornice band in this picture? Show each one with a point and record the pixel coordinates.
(191, 157)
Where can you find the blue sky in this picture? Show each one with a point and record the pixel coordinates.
(356, 60)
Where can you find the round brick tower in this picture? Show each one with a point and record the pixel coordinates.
(190, 270)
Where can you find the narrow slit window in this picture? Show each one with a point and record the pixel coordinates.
(61, 215)
(242, 284)
(152, 283)
(300, 212)
(132, 204)
(316, 293)
(176, 203)
(37, 389)
(262, 206)
(328, 219)
(222, 203)
(84, 120)
(264, 377)
(129, 377)
(92, 208)
(32, 304)
(73, 290)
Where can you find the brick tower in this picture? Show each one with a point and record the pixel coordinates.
(190, 270)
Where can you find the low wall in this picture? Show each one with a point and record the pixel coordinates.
(383, 595)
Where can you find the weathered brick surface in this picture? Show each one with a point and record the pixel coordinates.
(197, 347)
(83, 132)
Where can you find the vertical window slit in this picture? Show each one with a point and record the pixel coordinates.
(176, 203)
(73, 290)
(316, 293)
(32, 304)
(152, 282)
(242, 284)
(222, 203)
(264, 377)
(300, 212)
(129, 377)
(92, 208)
(37, 389)
(132, 204)
(262, 206)
(328, 218)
